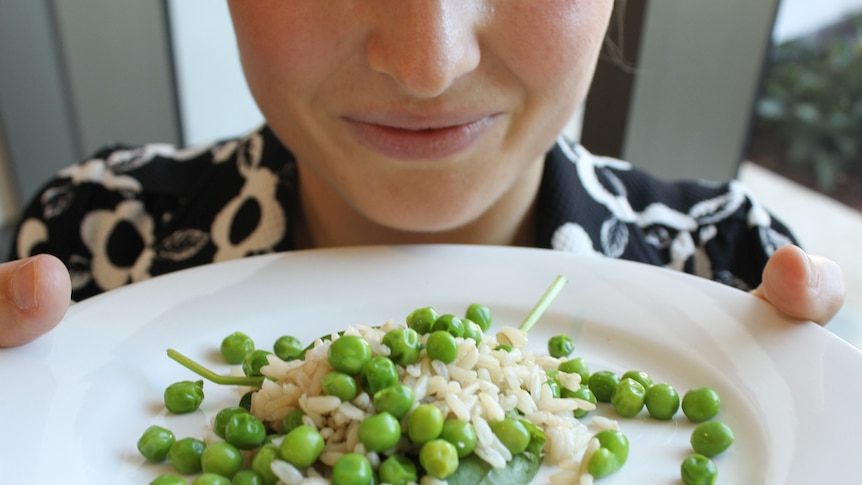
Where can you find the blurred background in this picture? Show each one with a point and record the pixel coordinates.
(769, 92)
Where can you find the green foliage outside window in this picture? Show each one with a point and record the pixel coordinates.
(811, 101)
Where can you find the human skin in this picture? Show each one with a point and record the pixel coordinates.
(416, 121)
(34, 295)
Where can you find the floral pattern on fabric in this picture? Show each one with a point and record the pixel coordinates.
(120, 244)
(130, 213)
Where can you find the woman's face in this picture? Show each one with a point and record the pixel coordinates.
(419, 115)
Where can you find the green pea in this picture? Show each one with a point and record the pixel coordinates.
(291, 420)
(379, 373)
(166, 479)
(380, 432)
(481, 315)
(184, 396)
(472, 330)
(711, 438)
(222, 418)
(576, 366)
(221, 458)
(512, 433)
(584, 393)
(701, 404)
(287, 347)
(211, 479)
(349, 354)
(404, 346)
(642, 377)
(441, 345)
(262, 463)
(155, 442)
(662, 401)
(628, 397)
(561, 346)
(340, 385)
(425, 423)
(554, 383)
(461, 434)
(396, 400)
(254, 361)
(245, 400)
(449, 323)
(697, 469)
(185, 455)
(235, 347)
(352, 469)
(603, 383)
(302, 446)
(504, 347)
(398, 470)
(439, 458)
(245, 431)
(611, 455)
(422, 319)
(246, 477)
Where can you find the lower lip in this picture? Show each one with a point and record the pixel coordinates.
(419, 145)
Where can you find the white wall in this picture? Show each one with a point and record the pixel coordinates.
(213, 97)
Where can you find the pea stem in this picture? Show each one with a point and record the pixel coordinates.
(543, 303)
(212, 376)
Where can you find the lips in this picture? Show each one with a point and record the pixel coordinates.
(418, 138)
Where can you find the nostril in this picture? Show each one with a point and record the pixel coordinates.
(425, 52)
(426, 70)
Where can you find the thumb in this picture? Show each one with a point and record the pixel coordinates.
(34, 296)
(802, 286)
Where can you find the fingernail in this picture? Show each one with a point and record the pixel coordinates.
(24, 286)
(813, 273)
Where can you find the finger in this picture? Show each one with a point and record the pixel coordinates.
(34, 296)
(802, 286)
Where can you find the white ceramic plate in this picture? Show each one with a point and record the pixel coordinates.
(77, 400)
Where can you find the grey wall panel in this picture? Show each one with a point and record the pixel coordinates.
(700, 65)
(76, 75)
(119, 68)
(34, 114)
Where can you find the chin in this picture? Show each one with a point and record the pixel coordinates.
(427, 221)
(429, 227)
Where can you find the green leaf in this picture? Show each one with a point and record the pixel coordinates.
(520, 470)
(537, 438)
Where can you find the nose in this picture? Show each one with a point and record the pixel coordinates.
(424, 45)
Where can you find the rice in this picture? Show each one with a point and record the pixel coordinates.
(287, 473)
(480, 386)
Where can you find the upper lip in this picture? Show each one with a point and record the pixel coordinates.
(407, 120)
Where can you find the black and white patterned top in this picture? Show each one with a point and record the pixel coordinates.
(129, 213)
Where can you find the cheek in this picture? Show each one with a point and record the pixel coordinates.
(552, 45)
(287, 50)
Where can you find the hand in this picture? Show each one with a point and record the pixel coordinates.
(802, 286)
(34, 295)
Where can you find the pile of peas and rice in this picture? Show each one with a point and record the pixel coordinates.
(414, 402)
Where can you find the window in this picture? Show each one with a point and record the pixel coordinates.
(808, 117)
